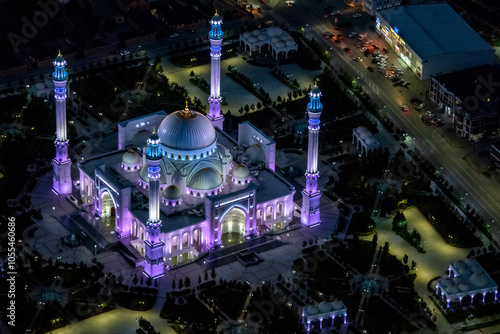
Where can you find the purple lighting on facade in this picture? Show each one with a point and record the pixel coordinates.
(61, 163)
(153, 266)
(215, 99)
(310, 215)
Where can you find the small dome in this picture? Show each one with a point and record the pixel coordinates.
(256, 33)
(216, 17)
(290, 43)
(252, 39)
(246, 35)
(444, 283)
(241, 172)
(255, 153)
(275, 39)
(452, 289)
(361, 130)
(312, 310)
(280, 44)
(464, 272)
(458, 280)
(262, 38)
(205, 179)
(479, 280)
(476, 270)
(459, 264)
(471, 263)
(324, 307)
(464, 287)
(131, 158)
(274, 31)
(370, 141)
(337, 305)
(172, 192)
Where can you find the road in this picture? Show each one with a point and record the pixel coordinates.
(479, 191)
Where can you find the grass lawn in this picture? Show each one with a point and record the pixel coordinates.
(445, 222)
(377, 318)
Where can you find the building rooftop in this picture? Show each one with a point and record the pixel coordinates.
(464, 83)
(433, 29)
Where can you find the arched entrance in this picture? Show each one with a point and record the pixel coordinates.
(233, 227)
(108, 212)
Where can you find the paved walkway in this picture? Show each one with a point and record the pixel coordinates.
(434, 262)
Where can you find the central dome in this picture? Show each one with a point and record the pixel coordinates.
(186, 130)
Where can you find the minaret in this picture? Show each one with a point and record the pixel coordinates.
(311, 195)
(62, 165)
(215, 36)
(153, 265)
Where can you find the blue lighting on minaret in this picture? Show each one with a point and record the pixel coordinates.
(153, 265)
(61, 163)
(215, 99)
(310, 195)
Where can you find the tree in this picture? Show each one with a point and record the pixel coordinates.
(181, 283)
(141, 280)
(149, 281)
(173, 284)
(205, 276)
(187, 282)
(191, 74)
(199, 279)
(413, 265)
(405, 259)
(213, 274)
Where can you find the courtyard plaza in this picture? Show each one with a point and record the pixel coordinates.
(237, 96)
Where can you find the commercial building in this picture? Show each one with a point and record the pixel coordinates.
(470, 97)
(432, 39)
(372, 6)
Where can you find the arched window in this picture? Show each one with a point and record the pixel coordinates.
(175, 243)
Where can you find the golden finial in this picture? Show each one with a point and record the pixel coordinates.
(186, 109)
(315, 84)
(216, 12)
(59, 55)
(154, 130)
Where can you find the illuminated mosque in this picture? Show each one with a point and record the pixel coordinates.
(178, 186)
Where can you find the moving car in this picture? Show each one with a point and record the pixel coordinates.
(370, 68)
(347, 50)
(356, 15)
(352, 34)
(357, 59)
(405, 108)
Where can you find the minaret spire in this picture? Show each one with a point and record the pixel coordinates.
(153, 264)
(215, 99)
(61, 163)
(311, 195)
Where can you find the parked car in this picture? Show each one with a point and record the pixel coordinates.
(416, 102)
(437, 121)
(370, 68)
(352, 34)
(430, 113)
(421, 106)
(338, 41)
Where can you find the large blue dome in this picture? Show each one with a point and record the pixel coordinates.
(186, 130)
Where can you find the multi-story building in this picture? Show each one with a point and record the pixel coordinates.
(432, 39)
(372, 6)
(470, 98)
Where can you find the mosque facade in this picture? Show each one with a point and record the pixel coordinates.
(178, 186)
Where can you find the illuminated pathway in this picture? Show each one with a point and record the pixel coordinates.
(434, 262)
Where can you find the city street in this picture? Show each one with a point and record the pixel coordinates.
(477, 190)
